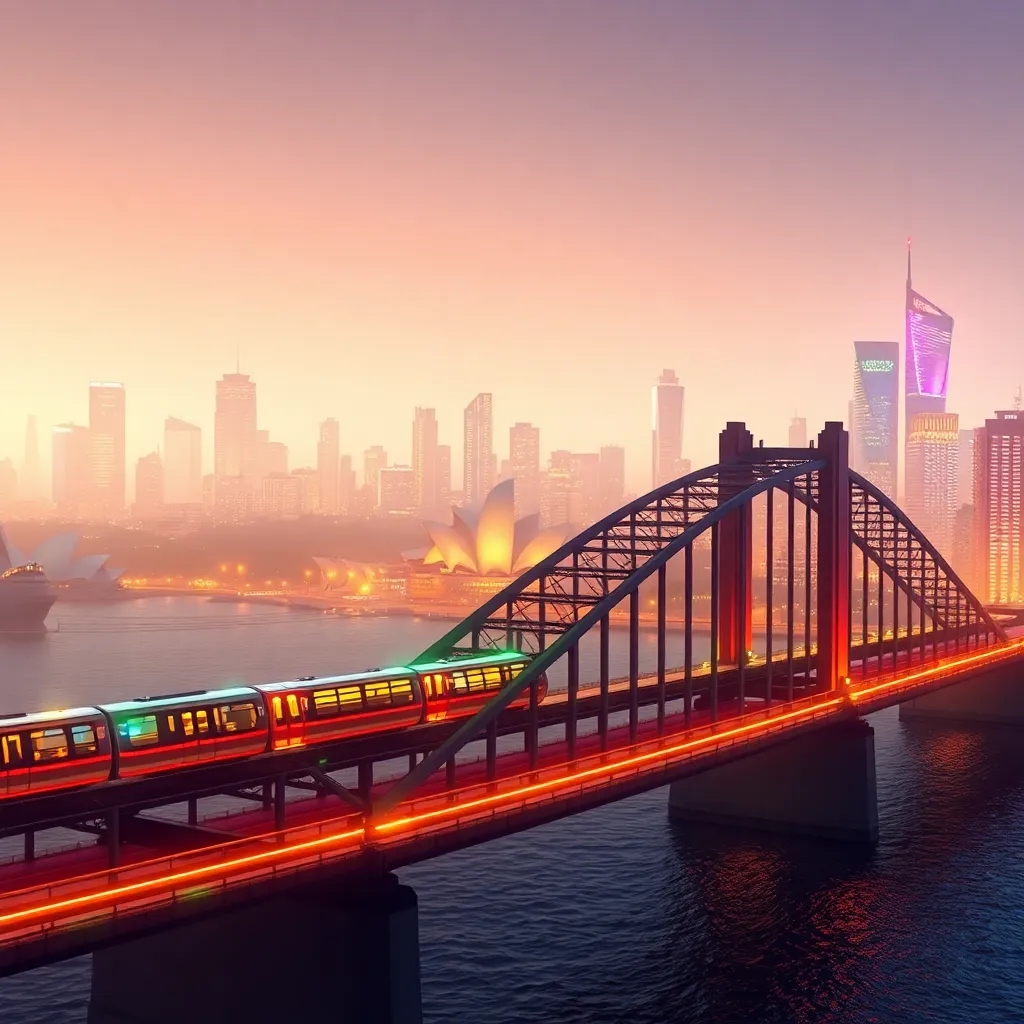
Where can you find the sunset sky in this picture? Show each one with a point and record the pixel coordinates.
(386, 205)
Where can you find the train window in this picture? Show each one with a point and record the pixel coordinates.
(278, 710)
(12, 748)
(475, 680)
(401, 691)
(237, 717)
(170, 723)
(325, 703)
(84, 739)
(202, 722)
(139, 732)
(216, 719)
(514, 670)
(492, 677)
(49, 745)
(459, 684)
(293, 707)
(350, 697)
(187, 725)
(378, 694)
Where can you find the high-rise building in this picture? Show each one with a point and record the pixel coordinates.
(585, 493)
(31, 486)
(933, 465)
(346, 484)
(398, 489)
(328, 454)
(106, 447)
(556, 490)
(667, 435)
(444, 475)
(524, 467)
(183, 463)
(72, 477)
(424, 459)
(8, 486)
(374, 460)
(798, 432)
(965, 485)
(478, 450)
(929, 336)
(274, 457)
(236, 467)
(613, 477)
(875, 426)
(999, 507)
(309, 489)
(149, 486)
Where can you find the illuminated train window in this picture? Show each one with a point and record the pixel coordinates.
(202, 722)
(49, 745)
(12, 748)
(138, 732)
(84, 739)
(237, 717)
(187, 725)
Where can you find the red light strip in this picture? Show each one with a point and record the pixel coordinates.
(605, 769)
(134, 888)
(991, 654)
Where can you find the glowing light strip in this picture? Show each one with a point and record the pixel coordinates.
(164, 880)
(992, 654)
(604, 769)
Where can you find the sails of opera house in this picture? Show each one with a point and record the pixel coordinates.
(477, 555)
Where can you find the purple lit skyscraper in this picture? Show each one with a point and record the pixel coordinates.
(929, 337)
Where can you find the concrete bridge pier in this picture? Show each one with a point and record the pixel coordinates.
(995, 697)
(323, 955)
(820, 785)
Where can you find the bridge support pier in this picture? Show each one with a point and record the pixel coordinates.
(995, 697)
(321, 955)
(820, 785)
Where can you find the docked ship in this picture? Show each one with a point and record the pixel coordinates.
(25, 599)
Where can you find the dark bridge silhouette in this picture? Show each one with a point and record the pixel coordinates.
(856, 611)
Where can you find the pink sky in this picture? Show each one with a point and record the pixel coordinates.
(404, 204)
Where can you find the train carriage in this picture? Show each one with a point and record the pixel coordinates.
(308, 711)
(51, 750)
(460, 687)
(184, 730)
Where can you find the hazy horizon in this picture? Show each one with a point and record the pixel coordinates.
(385, 208)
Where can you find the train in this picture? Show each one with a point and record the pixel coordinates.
(43, 752)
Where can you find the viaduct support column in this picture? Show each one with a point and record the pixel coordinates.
(323, 955)
(735, 602)
(821, 784)
(833, 661)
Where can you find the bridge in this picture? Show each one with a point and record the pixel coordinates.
(856, 611)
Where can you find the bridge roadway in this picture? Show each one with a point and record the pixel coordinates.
(52, 918)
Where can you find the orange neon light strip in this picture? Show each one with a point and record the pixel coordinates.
(605, 769)
(992, 654)
(133, 888)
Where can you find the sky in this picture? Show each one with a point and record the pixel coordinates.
(379, 206)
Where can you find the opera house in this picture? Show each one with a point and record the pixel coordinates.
(480, 552)
(56, 556)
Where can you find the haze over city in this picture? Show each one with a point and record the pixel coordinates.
(379, 209)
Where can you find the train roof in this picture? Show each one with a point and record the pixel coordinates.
(471, 661)
(164, 700)
(399, 672)
(10, 721)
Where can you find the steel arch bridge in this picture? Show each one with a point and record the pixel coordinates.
(845, 547)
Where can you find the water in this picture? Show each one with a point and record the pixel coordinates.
(620, 915)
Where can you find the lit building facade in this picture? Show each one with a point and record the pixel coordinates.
(149, 486)
(424, 459)
(524, 466)
(999, 507)
(876, 392)
(667, 436)
(933, 466)
(398, 490)
(106, 447)
(444, 474)
(478, 449)
(236, 469)
(183, 463)
(929, 337)
(374, 460)
(328, 456)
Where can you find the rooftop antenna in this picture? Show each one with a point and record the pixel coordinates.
(908, 261)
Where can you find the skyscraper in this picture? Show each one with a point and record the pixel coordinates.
(149, 485)
(424, 459)
(478, 450)
(613, 477)
(966, 477)
(933, 462)
(397, 489)
(999, 507)
(328, 454)
(929, 335)
(71, 468)
(374, 460)
(667, 435)
(444, 475)
(876, 396)
(235, 454)
(106, 447)
(183, 463)
(798, 432)
(524, 467)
